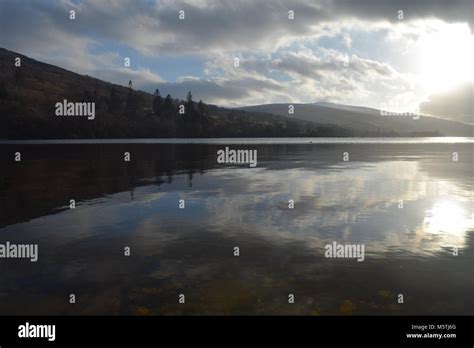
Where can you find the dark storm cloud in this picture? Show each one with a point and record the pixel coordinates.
(373, 10)
(244, 25)
(209, 25)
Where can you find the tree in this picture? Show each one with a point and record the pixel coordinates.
(130, 84)
(115, 101)
(168, 104)
(18, 80)
(3, 92)
(18, 75)
(88, 96)
(157, 103)
(201, 107)
(189, 103)
(132, 104)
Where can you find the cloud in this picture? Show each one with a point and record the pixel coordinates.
(28, 28)
(225, 91)
(456, 104)
(210, 26)
(281, 59)
(452, 11)
(244, 25)
(292, 76)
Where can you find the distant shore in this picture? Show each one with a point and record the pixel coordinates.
(270, 140)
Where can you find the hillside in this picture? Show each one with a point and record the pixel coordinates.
(28, 96)
(365, 121)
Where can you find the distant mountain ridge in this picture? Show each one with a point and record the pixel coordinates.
(367, 120)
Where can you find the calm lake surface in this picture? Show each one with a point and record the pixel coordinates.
(408, 250)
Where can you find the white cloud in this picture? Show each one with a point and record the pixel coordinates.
(281, 59)
(304, 75)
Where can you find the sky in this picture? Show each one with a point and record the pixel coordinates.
(400, 55)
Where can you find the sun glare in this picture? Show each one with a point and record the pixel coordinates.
(445, 57)
(447, 217)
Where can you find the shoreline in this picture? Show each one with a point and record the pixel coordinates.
(289, 141)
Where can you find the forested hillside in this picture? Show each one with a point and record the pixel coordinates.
(29, 93)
